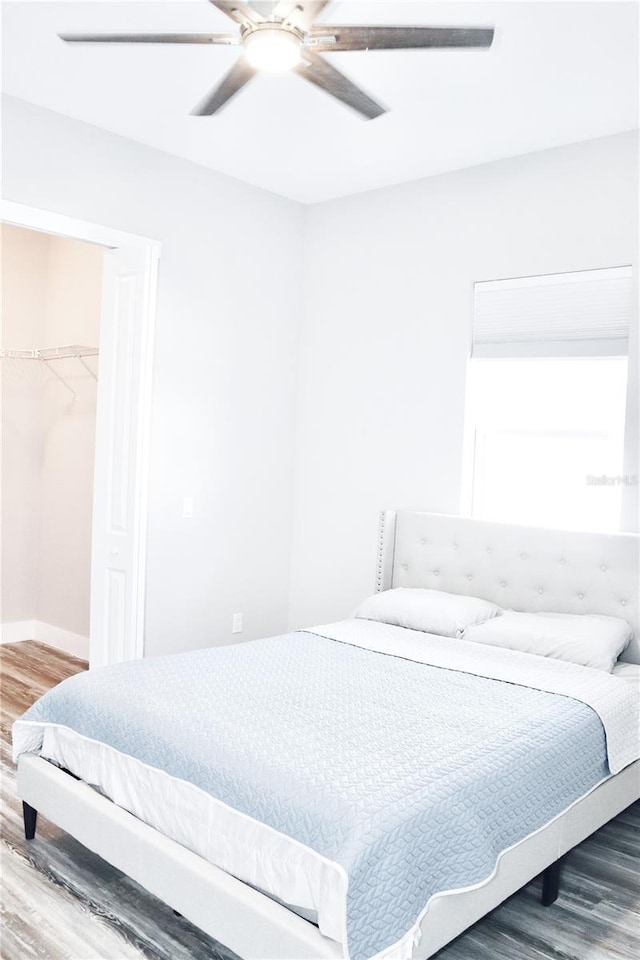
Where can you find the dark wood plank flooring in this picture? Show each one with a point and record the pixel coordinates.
(61, 902)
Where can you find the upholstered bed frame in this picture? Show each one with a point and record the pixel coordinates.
(519, 568)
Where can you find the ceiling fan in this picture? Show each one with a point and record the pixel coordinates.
(283, 35)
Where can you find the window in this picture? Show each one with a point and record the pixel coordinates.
(546, 397)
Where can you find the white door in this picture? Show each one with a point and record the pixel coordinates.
(120, 480)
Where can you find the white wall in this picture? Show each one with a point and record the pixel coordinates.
(74, 296)
(24, 274)
(384, 327)
(51, 297)
(386, 335)
(224, 373)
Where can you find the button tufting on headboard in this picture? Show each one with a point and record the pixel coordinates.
(562, 572)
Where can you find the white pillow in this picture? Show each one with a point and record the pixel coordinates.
(430, 611)
(588, 639)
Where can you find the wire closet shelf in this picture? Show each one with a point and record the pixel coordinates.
(48, 354)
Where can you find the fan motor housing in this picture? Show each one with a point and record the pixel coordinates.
(273, 47)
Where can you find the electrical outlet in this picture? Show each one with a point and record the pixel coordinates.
(236, 626)
(187, 507)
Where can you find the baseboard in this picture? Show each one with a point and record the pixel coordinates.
(72, 643)
(17, 631)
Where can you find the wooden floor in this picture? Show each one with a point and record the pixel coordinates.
(61, 902)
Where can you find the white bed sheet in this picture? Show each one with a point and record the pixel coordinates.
(245, 848)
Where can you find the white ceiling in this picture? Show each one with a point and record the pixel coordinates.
(558, 72)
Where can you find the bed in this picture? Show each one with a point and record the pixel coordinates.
(191, 850)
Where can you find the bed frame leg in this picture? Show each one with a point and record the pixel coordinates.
(551, 883)
(30, 816)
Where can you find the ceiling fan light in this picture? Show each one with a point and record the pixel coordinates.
(273, 50)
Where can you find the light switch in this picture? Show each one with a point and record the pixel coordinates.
(187, 507)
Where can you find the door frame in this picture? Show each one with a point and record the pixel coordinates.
(103, 648)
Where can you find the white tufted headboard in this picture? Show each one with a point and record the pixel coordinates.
(520, 568)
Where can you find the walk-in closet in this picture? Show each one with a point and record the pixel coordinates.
(51, 304)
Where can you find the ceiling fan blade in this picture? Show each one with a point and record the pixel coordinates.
(241, 12)
(330, 38)
(223, 38)
(300, 14)
(321, 73)
(240, 73)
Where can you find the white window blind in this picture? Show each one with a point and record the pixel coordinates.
(559, 315)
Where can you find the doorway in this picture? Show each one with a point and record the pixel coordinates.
(74, 564)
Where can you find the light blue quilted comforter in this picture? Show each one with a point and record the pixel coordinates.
(413, 778)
